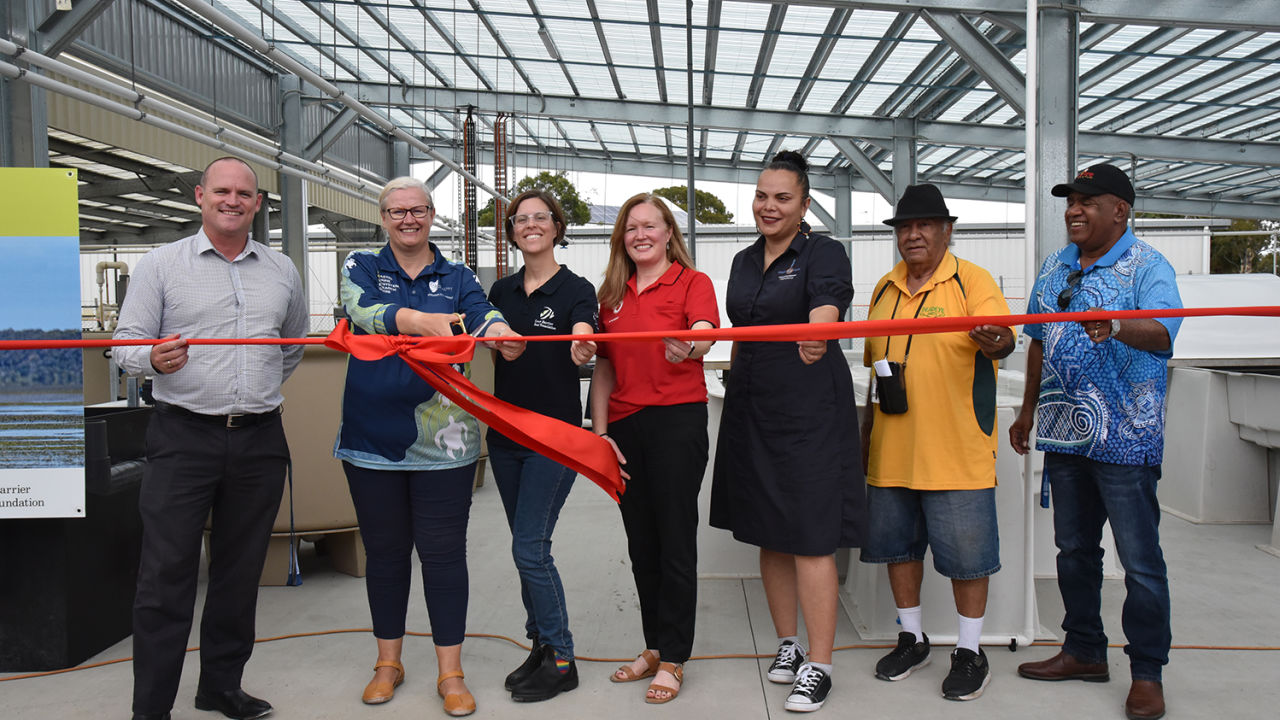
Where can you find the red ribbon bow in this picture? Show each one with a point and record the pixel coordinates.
(432, 359)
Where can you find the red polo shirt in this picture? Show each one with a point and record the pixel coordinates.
(643, 377)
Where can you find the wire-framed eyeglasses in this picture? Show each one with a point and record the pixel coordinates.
(418, 212)
(539, 217)
(1068, 292)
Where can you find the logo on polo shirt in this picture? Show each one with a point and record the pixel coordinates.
(789, 272)
(616, 309)
(933, 311)
(386, 284)
(434, 285)
(546, 319)
(436, 290)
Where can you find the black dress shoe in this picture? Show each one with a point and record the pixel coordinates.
(546, 681)
(527, 667)
(151, 716)
(236, 704)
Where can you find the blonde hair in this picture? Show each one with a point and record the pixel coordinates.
(621, 267)
(404, 182)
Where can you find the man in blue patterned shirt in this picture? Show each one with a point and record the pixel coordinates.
(1097, 389)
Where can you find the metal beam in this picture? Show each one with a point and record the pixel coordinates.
(62, 27)
(154, 185)
(330, 134)
(293, 192)
(981, 55)
(865, 166)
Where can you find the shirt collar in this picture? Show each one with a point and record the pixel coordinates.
(546, 288)
(797, 245)
(1071, 253)
(668, 278)
(204, 245)
(947, 268)
(387, 261)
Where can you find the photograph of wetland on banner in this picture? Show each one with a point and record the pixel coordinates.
(41, 391)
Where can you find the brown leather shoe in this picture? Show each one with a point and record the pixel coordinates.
(378, 692)
(1064, 666)
(1145, 701)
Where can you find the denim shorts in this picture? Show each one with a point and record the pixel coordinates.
(958, 525)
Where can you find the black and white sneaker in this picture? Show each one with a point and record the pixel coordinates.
(969, 675)
(788, 660)
(904, 659)
(809, 690)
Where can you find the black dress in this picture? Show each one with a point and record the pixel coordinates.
(788, 470)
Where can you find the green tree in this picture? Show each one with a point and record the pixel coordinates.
(575, 208)
(1241, 253)
(711, 210)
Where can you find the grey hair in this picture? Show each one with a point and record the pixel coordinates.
(404, 182)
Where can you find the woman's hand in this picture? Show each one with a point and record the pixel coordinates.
(811, 351)
(582, 351)
(416, 322)
(622, 460)
(677, 351)
(509, 346)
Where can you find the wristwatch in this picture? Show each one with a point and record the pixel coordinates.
(1115, 327)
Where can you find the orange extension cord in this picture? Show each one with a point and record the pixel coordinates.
(585, 658)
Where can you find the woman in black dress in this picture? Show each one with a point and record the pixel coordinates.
(788, 472)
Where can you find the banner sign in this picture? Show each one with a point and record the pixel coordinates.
(41, 390)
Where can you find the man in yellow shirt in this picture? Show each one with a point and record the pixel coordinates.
(931, 458)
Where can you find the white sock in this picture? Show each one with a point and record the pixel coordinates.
(970, 632)
(790, 638)
(910, 619)
(824, 667)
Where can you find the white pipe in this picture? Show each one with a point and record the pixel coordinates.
(101, 269)
(143, 102)
(268, 50)
(13, 71)
(1031, 116)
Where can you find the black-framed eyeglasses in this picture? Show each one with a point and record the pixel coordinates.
(399, 213)
(1068, 292)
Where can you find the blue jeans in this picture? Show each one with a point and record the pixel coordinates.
(533, 490)
(1086, 493)
(960, 526)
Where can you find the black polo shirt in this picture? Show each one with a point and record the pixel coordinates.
(544, 378)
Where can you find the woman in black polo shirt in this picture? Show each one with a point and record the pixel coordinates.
(542, 298)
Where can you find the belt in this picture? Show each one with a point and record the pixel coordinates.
(237, 420)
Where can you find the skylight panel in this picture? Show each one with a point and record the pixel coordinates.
(638, 83)
(744, 15)
(629, 44)
(776, 93)
(730, 89)
(673, 47)
(737, 51)
(576, 41)
(627, 10)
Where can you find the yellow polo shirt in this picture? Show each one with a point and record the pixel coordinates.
(947, 438)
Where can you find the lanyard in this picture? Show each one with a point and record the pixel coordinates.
(894, 316)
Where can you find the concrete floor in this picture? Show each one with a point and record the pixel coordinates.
(1224, 594)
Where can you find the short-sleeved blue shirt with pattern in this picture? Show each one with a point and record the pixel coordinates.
(1104, 401)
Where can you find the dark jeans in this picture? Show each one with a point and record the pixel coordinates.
(398, 510)
(194, 468)
(1086, 493)
(666, 451)
(533, 490)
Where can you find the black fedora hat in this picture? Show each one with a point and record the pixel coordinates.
(1100, 179)
(921, 201)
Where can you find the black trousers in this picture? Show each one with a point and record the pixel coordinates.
(194, 468)
(666, 451)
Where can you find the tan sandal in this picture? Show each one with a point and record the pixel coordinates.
(628, 675)
(678, 672)
(379, 691)
(455, 704)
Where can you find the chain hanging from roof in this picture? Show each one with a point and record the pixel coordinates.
(470, 251)
(500, 179)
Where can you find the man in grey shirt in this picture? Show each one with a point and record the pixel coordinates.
(215, 442)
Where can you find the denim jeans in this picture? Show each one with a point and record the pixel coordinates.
(1087, 493)
(533, 490)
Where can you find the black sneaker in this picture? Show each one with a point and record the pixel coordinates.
(548, 679)
(809, 690)
(527, 667)
(904, 659)
(969, 675)
(788, 660)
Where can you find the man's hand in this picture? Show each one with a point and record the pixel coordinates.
(169, 356)
(1020, 433)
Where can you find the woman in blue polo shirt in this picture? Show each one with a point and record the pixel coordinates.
(408, 452)
(542, 298)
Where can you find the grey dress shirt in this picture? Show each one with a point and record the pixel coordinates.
(187, 287)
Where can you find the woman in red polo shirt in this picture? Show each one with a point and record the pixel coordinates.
(649, 400)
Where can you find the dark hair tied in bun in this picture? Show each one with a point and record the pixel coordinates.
(795, 162)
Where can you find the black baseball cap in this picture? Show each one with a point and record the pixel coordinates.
(1100, 179)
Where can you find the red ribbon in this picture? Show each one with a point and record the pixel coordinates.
(569, 445)
(431, 359)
